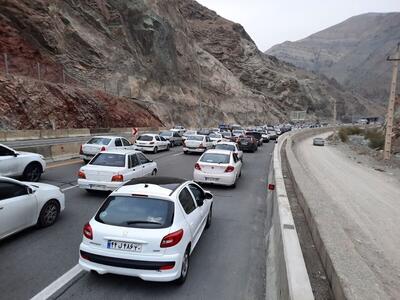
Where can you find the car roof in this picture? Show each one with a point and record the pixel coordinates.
(227, 143)
(152, 185)
(218, 151)
(121, 151)
(107, 137)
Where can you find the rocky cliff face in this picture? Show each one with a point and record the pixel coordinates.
(353, 52)
(184, 62)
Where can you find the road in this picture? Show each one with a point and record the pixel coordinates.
(228, 263)
(368, 203)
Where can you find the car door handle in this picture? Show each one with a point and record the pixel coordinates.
(1, 208)
(143, 167)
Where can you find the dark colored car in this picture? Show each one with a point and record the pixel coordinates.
(247, 144)
(257, 136)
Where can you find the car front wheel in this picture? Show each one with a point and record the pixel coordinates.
(33, 172)
(49, 213)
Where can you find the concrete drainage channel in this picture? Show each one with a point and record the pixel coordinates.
(287, 276)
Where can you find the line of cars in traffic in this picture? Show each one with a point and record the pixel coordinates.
(148, 225)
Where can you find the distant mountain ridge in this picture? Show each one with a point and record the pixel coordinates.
(353, 52)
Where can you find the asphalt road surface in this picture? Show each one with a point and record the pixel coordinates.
(368, 203)
(228, 262)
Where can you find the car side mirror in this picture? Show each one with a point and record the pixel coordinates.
(29, 190)
(208, 195)
(15, 154)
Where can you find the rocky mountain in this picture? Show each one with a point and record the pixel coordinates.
(353, 52)
(176, 58)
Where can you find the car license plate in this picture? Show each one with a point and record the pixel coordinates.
(125, 246)
(96, 186)
(211, 179)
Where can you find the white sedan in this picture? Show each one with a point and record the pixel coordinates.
(151, 142)
(17, 163)
(102, 143)
(230, 146)
(216, 137)
(147, 229)
(221, 167)
(24, 204)
(111, 169)
(197, 143)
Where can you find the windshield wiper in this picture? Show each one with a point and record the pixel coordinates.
(142, 222)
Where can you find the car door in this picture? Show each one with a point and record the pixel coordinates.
(126, 144)
(135, 169)
(164, 142)
(192, 214)
(8, 162)
(209, 143)
(239, 152)
(18, 208)
(237, 163)
(118, 144)
(198, 195)
(146, 164)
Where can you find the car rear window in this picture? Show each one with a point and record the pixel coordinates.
(99, 141)
(214, 135)
(108, 160)
(166, 133)
(255, 134)
(136, 212)
(145, 138)
(226, 134)
(225, 147)
(195, 138)
(216, 158)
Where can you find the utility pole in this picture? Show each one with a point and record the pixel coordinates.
(392, 99)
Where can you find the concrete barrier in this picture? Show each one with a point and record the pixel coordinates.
(287, 276)
(18, 135)
(346, 272)
(64, 151)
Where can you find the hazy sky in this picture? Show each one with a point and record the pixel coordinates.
(271, 22)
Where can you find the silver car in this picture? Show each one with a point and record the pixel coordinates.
(318, 141)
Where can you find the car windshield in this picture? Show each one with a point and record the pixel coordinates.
(136, 211)
(166, 133)
(226, 134)
(108, 160)
(195, 138)
(214, 135)
(225, 147)
(99, 141)
(216, 158)
(145, 138)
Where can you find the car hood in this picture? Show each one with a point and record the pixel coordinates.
(23, 153)
(42, 186)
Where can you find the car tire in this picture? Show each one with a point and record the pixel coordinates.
(154, 173)
(49, 213)
(209, 218)
(155, 150)
(32, 172)
(168, 147)
(185, 152)
(185, 267)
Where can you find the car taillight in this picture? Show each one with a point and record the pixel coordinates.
(117, 178)
(229, 169)
(171, 239)
(167, 267)
(151, 143)
(81, 150)
(197, 167)
(103, 148)
(87, 231)
(81, 175)
(201, 145)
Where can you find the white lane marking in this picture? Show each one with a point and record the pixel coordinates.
(69, 188)
(178, 154)
(58, 284)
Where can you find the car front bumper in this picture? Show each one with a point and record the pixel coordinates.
(142, 266)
